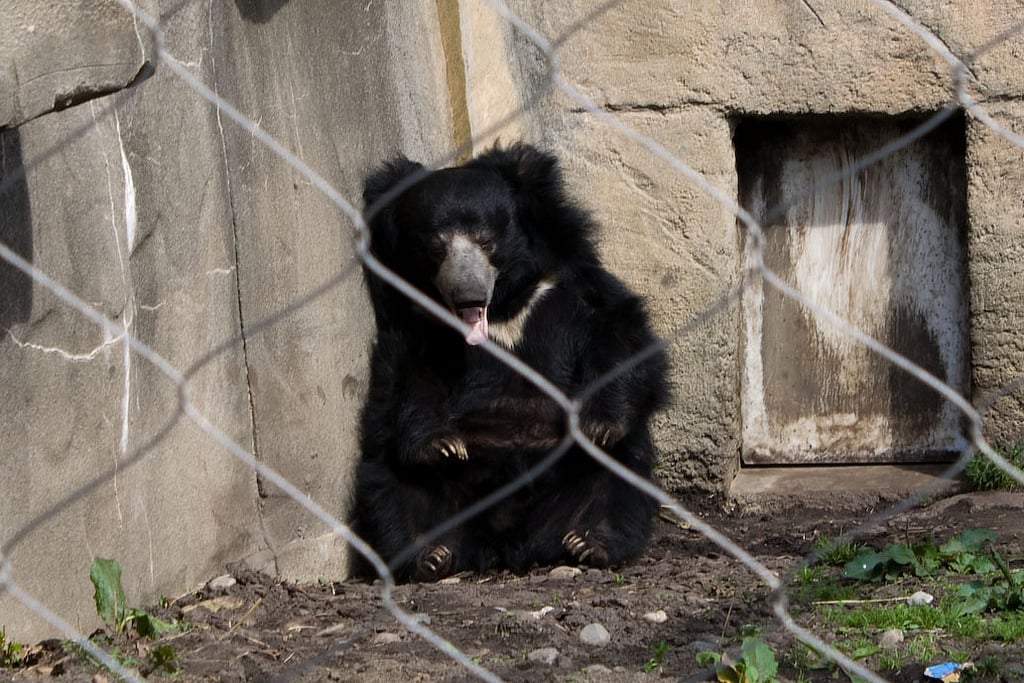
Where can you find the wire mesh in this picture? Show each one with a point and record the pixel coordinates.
(959, 80)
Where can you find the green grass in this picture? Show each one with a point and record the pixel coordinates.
(10, 650)
(984, 475)
(979, 600)
(657, 654)
(835, 552)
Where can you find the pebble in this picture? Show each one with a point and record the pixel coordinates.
(222, 583)
(891, 638)
(542, 612)
(385, 638)
(544, 655)
(565, 573)
(920, 598)
(656, 617)
(598, 670)
(708, 643)
(595, 634)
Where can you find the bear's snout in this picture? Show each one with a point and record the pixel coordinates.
(465, 280)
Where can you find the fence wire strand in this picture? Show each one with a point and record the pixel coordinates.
(959, 79)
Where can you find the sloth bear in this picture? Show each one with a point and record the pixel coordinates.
(498, 243)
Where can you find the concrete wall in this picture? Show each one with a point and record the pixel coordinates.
(168, 218)
(56, 55)
(159, 211)
(684, 74)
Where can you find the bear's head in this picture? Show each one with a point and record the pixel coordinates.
(480, 238)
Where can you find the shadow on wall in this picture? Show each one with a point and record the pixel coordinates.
(259, 11)
(15, 232)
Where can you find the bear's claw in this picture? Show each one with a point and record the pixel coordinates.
(434, 564)
(604, 435)
(585, 549)
(449, 447)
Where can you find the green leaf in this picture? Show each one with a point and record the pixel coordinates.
(708, 658)
(976, 597)
(865, 565)
(900, 553)
(149, 626)
(759, 660)
(109, 596)
(970, 541)
(727, 674)
(164, 659)
(865, 651)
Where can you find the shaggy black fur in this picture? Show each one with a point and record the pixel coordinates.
(498, 242)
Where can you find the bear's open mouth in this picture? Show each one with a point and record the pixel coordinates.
(476, 318)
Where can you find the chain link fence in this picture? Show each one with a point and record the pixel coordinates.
(960, 100)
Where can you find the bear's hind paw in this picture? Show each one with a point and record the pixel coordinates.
(585, 549)
(435, 563)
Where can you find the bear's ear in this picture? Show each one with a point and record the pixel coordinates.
(526, 169)
(385, 178)
(546, 213)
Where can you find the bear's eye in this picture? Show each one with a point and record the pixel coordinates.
(485, 243)
(437, 250)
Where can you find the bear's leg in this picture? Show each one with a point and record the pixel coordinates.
(390, 514)
(594, 517)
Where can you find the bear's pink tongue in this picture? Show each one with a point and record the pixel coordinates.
(477, 317)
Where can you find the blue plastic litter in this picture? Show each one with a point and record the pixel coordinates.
(940, 671)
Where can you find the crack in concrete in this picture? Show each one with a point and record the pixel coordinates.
(814, 12)
(260, 488)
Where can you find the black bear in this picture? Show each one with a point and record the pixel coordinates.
(498, 243)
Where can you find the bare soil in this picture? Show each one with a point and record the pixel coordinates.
(684, 596)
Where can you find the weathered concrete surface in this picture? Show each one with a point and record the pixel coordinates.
(995, 176)
(163, 215)
(371, 91)
(684, 73)
(56, 54)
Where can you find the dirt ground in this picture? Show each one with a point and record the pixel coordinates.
(684, 596)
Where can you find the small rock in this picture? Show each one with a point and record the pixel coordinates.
(228, 602)
(542, 612)
(597, 670)
(920, 598)
(385, 638)
(656, 617)
(708, 644)
(891, 638)
(222, 583)
(565, 573)
(544, 655)
(450, 580)
(596, 635)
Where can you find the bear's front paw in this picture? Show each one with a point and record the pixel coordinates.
(585, 549)
(604, 434)
(434, 563)
(446, 447)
